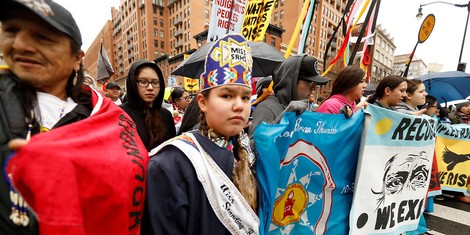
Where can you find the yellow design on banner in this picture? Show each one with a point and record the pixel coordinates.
(290, 205)
(383, 126)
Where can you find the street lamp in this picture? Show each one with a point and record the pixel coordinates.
(461, 66)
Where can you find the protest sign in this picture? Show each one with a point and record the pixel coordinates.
(393, 172)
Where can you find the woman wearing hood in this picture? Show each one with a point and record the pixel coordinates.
(145, 90)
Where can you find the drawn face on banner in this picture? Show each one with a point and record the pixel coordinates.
(404, 174)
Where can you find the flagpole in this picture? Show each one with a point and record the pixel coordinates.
(296, 31)
(361, 34)
(305, 28)
(348, 9)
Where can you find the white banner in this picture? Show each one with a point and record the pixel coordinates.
(226, 17)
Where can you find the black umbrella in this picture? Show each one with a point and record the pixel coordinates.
(265, 59)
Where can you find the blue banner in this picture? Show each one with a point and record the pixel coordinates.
(306, 167)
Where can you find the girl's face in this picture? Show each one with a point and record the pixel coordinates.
(465, 109)
(150, 92)
(183, 101)
(226, 108)
(357, 92)
(395, 96)
(418, 97)
(432, 109)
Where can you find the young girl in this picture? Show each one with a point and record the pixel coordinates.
(201, 182)
(348, 87)
(415, 96)
(179, 102)
(389, 93)
(145, 89)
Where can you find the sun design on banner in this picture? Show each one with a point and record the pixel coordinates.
(302, 206)
(233, 53)
(383, 126)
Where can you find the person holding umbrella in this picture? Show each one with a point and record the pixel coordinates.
(202, 181)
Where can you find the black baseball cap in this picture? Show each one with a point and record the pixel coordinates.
(309, 71)
(111, 85)
(52, 13)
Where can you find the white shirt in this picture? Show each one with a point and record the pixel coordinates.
(52, 109)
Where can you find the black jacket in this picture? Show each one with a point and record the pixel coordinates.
(176, 201)
(285, 86)
(14, 122)
(136, 108)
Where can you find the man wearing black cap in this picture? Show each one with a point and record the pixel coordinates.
(113, 91)
(293, 80)
(42, 89)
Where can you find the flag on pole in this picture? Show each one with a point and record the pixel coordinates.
(305, 28)
(105, 70)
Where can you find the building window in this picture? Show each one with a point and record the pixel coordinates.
(189, 23)
(161, 34)
(155, 43)
(281, 14)
(282, 2)
(206, 14)
(161, 11)
(162, 44)
(155, 21)
(206, 3)
(156, 54)
(273, 41)
(155, 32)
(275, 16)
(162, 23)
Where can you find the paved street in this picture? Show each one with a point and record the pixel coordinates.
(450, 217)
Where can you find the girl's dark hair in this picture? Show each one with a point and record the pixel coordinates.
(444, 112)
(177, 93)
(412, 85)
(153, 119)
(431, 99)
(392, 82)
(347, 79)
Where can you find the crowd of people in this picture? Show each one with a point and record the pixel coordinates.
(195, 144)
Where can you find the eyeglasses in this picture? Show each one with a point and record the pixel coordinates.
(145, 83)
(188, 98)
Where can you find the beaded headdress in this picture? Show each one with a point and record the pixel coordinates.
(228, 61)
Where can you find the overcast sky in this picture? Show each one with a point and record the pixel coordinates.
(397, 17)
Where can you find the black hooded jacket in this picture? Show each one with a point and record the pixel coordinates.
(136, 107)
(285, 86)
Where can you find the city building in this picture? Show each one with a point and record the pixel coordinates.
(165, 30)
(384, 50)
(417, 66)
